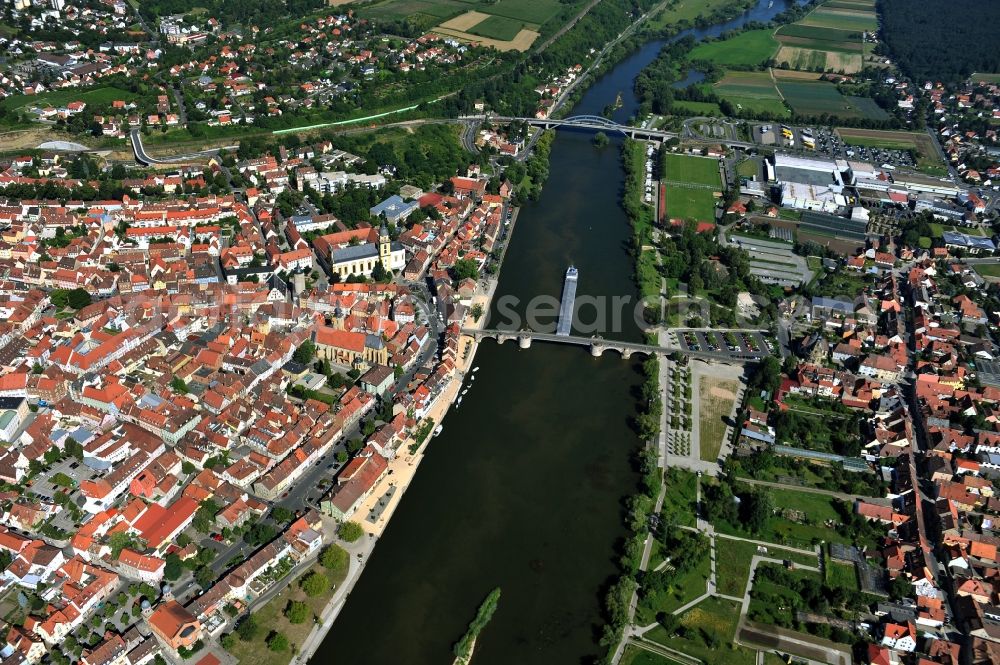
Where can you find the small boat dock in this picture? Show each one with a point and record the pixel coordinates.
(566, 304)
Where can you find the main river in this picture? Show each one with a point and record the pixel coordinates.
(524, 489)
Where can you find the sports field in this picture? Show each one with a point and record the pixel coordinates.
(747, 48)
(985, 77)
(695, 170)
(751, 91)
(690, 184)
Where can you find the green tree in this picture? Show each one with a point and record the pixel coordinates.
(260, 533)
(465, 268)
(304, 354)
(315, 584)
(757, 508)
(277, 642)
(173, 568)
(334, 558)
(282, 514)
(248, 628)
(204, 576)
(119, 541)
(297, 611)
(78, 298)
(350, 531)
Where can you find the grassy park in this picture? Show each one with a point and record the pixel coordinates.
(270, 619)
(680, 499)
(682, 591)
(732, 565)
(706, 632)
(634, 655)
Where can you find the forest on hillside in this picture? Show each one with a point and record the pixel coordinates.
(942, 40)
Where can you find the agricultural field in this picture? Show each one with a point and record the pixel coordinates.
(829, 38)
(506, 25)
(751, 91)
(811, 59)
(529, 11)
(918, 142)
(497, 27)
(814, 98)
(425, 13)
(841, 19)
(745, 49)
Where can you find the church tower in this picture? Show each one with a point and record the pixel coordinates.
(384, 248)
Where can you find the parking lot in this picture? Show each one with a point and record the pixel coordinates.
(738, 344)
(774, 262)
(829, 144)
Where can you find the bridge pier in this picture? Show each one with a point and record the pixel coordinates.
(524, 341)
(596, 350)
(626, 353)
(503, 338)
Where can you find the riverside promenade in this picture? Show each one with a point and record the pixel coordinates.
(402, 470)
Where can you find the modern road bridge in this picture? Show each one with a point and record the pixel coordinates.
(598, 345)
(598, 123)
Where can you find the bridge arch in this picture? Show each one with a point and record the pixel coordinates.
(592, 120)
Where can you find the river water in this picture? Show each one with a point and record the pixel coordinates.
(524, 488)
